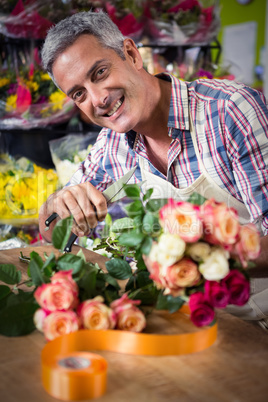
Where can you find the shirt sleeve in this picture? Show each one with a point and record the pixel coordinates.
(246, 118)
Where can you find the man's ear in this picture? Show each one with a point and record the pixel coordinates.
(132, 53)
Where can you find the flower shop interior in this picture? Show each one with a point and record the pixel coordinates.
(43, 139)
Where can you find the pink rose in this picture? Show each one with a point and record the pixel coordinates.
(217, 294)
(202, 313)
(221, 226)
(39, 317)
(238, 287)
(248, 246)
(183, 273)
(182, 219)
(65, 277)
(60, 323)
(128, 316)
(94, 314)
(56, 296)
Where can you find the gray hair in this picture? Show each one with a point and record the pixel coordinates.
(67, 31)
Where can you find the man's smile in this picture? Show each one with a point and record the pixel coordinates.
(116, 107)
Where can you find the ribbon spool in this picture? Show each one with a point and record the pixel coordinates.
(69, 372)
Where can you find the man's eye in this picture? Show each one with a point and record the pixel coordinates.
(77, 95)
(101, 71)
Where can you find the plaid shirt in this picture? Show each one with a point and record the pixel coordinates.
(231, 123)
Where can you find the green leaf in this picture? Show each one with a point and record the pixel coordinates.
(135, 208)
(35, 270)
(168, 302)
(132, 191)
(155, 205)
(4, 291)
(118, 268)
(130, 284)
(146, 245)
(122, 224)
(196, 199)
(112, 281)
(70, 261)
(150, 224)
(9, 274)
(62, 232)
(35, 256)
(148, 194)
(143, 279)
(131, 239)
(50, 262)
(17, 319)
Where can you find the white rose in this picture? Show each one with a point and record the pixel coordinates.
(171, 249)
(215, 266)
(199, 251)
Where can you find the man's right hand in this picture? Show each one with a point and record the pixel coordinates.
(83, 201)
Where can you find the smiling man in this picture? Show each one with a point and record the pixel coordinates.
(205, 136)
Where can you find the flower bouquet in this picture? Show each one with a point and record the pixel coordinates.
(24, 187)
(179, 22)
(193, 252)
(31, 18)
(128, 16)
(30, 99)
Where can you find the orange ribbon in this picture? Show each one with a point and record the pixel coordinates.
(67, 383)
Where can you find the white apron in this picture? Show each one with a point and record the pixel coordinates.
(257, 306)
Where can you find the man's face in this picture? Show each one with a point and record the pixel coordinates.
(105, 87)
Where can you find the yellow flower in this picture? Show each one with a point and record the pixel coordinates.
(45, 77)
(57, 98)
(4, 81)
(11, 103)
(32, 85)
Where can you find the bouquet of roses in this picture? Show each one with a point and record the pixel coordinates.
(193, 252)
(31, 99)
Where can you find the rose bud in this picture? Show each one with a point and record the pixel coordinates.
(217, 294)
(94, 314)
(202, 313)
(248, 247)
(182, 219)
(238, 286)
(60, 323)
(56, 296)
(128, 316)
(221, 225)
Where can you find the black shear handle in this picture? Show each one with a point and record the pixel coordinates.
(72, 238)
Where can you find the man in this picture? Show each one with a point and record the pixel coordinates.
(208, 136)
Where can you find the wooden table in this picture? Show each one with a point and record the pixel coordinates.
(233, 369)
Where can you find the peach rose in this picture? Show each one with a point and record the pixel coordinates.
(65, 277)
(60, 323)
(182, 274)
(94, 314)
(248, 246)
(221, 226)
(182, 219)
(128, 316)
(56, 296)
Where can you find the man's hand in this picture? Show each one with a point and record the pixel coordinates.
(83, 201)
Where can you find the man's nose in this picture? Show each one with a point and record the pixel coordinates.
(99, 98)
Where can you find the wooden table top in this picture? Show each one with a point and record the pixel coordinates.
(233, 369)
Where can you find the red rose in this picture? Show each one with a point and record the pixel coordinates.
(217, 293)
(238, 287)
(202, 313)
